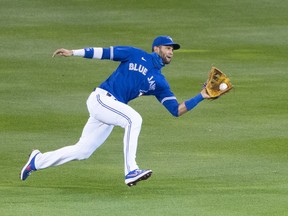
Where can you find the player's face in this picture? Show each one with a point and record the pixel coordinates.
(166, 53)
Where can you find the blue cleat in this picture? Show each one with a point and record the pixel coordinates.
(137, 175)
(29, 166)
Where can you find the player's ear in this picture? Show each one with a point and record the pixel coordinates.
(156, 49)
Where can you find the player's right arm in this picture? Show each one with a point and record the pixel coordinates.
(116, 53)
(62, 52)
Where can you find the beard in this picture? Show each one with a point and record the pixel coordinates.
(165, 58)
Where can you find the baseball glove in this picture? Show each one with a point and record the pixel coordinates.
(217, 84)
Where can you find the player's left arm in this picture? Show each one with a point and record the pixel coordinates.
(178, 109)
(187, 105)
(167, 99)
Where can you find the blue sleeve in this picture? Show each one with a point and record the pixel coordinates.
(89, 53)
(172, 106)
(166, 97)
(106, 53)
(191, 103)
(118, 53)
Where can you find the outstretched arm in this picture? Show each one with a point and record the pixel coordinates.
(62, 52)
(190, 104)
(96, 53)
(116, 53)
(178, 109)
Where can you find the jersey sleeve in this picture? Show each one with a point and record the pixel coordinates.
(118, 53)
(167, 98)
(115, 53)
(171, 104)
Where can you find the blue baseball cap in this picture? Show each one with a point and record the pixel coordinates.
(165, 41)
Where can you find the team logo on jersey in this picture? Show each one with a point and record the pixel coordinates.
(138, 67)
(152, 84)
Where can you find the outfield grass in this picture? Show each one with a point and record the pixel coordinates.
(227, 157)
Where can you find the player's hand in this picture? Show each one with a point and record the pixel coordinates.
(62, 52)
(205, 94)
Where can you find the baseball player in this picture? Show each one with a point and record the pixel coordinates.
(139, 73)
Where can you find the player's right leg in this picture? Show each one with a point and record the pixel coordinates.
(93, 136)
(29, 166)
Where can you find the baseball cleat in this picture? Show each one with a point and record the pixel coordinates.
(137, 175)
(29, 166)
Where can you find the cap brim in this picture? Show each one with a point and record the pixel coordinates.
(175, 46)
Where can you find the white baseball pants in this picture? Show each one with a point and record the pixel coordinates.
(105, 113)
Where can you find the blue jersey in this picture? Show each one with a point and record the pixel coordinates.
(139, 73)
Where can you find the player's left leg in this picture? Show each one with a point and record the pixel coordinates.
(116, 113)
(113, 112)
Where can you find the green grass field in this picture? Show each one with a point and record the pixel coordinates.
(226, 157)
